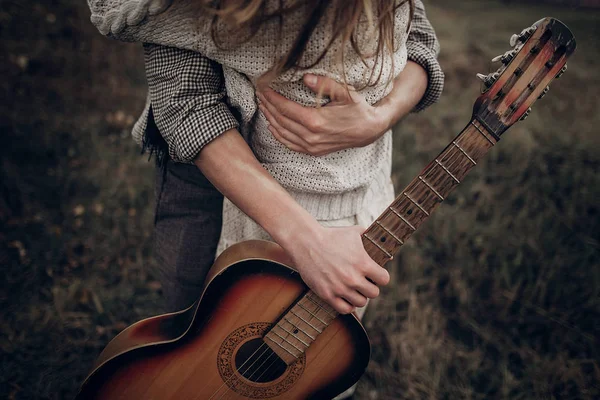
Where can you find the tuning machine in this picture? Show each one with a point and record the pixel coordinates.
(544, 92)
(505, 58)
(522, 37)
(561, 72)
(488, 80)
(525, 115)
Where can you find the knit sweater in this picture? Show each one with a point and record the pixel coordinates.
(332, 186)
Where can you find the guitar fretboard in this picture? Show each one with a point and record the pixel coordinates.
(418, 200)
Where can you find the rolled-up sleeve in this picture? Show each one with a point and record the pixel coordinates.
(187, 97)
(423, 48)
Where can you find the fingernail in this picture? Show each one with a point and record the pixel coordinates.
(310, 79)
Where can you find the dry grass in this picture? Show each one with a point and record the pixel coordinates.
(498, 296)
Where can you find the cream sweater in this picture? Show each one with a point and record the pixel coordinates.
(330, 187)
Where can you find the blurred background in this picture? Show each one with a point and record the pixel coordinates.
(497, 296)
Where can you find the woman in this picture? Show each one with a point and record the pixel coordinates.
(261, 44)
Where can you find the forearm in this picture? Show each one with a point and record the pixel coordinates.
(230, 165)
(409, 87)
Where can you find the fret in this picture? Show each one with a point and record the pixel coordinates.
(320, 306)
(431, 187)
(305, 321)
(415, 203)
(396, 238)
(287, 341)
(283, 347)
(464, 152)
(403, 219)
(298, 328)
(391, 257)
(313, 315)
(482, 134)
(293, 335)
(447, 171)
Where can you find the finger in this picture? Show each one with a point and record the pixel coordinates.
(325, 86)
(355, 298)
(282, 134)
(290, 109)
(285, 142)
(378, 275)
(342, 306)
(301, 133)
(368, 289)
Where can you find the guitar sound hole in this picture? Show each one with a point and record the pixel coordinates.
(256, 362)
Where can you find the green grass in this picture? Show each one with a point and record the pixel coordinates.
(497, 296)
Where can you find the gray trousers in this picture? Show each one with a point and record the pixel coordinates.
(187, 226)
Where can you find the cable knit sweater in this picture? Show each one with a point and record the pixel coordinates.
(333, 186)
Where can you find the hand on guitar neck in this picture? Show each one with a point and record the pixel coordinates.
(336, 267)
(332, 261)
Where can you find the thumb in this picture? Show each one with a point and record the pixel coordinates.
(325, 86)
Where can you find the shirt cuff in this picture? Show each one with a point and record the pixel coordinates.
(423, 56)
(198, 130)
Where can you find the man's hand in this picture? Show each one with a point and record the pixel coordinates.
(335, 265)
(347, 120)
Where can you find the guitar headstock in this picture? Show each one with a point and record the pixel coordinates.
(539, 55)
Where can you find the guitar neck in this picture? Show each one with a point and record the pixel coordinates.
(418, 200)
(310, 315)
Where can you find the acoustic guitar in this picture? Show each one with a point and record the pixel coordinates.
(257, 331)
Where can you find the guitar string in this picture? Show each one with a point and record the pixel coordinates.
(286, 338)
(454, 156)
(274, 361)
(268, 368)
(241, 366)
(454, 160)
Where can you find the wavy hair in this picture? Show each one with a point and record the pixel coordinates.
(243, 18)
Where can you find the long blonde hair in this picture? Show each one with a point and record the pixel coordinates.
(243, 18)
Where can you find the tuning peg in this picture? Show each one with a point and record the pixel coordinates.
(513, 40)
(488, 80)
(522, 37)
(544, 92)
(526, 114)
(562, 71)
(506, 58)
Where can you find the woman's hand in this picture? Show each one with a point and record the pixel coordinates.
(346, 121)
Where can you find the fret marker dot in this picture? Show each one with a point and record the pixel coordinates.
(295, 331)
(409, 212)
(382, 240)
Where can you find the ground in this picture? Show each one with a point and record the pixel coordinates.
(497, 296)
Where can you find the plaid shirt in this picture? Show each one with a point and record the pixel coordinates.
(186, 106)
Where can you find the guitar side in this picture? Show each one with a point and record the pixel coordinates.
(192, 353)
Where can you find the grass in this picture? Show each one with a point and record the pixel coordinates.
(497, 296)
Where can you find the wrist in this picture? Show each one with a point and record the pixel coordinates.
(382, 118)
(293, 226)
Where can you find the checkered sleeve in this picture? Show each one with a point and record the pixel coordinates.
(423, 48)
(187, 97)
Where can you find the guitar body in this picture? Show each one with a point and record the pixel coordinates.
(204, 352)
